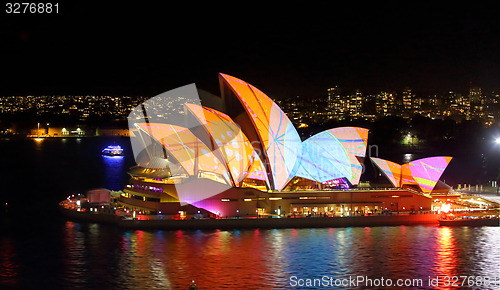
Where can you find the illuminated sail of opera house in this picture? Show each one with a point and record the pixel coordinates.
(247, 159)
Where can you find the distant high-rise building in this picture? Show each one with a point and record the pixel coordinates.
(477, 102)
(385, 103)
(451, 99)
(464, 106)
(475, 95)
(452, 105)
(333, 94)
(338, 104)
(416, 104)
(407, 102)
(355, 105)
(334, 104)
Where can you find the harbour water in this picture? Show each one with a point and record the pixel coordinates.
(40, 249)
(72, 255)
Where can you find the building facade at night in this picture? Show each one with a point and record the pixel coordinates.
(250, 161)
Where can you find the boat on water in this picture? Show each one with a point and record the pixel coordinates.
(113, 150)
(473, 221)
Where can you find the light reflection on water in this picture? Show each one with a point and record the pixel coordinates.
(445, 260)
(113, 170)
(256, 259)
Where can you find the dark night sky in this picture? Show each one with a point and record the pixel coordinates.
(298, 48)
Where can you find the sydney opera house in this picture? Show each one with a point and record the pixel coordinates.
(245, 158)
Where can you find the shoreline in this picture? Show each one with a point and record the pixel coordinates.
(253, 223)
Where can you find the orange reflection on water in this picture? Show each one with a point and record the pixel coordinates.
(213, 258)
(139, 243)
(142, 266)
(445, 263)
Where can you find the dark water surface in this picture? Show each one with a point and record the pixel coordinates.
(39, 249)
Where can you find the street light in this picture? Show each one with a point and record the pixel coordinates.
(497, 140)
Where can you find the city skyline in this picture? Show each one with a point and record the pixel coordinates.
(336, 104)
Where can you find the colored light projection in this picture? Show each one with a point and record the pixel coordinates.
(391, 170)
(192, 154)
(194, 158)
(323, 158)
(281, 142)
(406, 175)
(257, 170)
(354, 140)
(234, 146)
(425, 172)
(165, 108)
